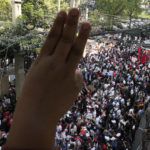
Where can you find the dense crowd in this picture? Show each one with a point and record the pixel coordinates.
(113, 98)
(7, 106)
(8, 101)
(108, 109)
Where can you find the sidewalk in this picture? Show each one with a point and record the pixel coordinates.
(137, 144)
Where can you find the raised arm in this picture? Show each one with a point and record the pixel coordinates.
(51, 85)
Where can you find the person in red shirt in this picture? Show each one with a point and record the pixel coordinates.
(104, 147)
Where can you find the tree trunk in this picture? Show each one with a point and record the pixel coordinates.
(72, 3)
(110, 22)
(4, 85)
(58, 5)
(16, 10)
(130, 19)
(19, 72)
(77, 3)
(87, 14)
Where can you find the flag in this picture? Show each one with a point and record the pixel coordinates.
(139, 51)
(148, 54)
(143, 59)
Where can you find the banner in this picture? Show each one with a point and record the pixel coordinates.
(143, 59)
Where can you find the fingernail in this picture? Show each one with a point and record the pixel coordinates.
(62, 14)
(74, 12)
(86, 26)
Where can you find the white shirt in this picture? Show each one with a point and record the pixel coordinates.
(97, 120)
(122, 101)
(59, 128)
(7, 100)
(107, 138)
(118, 112)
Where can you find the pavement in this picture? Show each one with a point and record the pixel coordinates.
(137, 144)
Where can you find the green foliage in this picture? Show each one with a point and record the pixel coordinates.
(52, 9)
(111, 8)
(33, 13)
(94, 17)
(133, 9)
(5, 10)
(18, 39)
(24, 35)
(40, 12)
(144, 15)
(123, 8)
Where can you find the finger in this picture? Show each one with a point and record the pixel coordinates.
(54, 34)
(69, 31)
(78, 47)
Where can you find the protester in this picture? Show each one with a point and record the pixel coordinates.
(107, 111)
(7, 106)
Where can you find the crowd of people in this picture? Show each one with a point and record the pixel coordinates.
(114, 96)
(7, 106)
(106, 114)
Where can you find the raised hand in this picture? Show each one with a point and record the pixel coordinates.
(51, 85)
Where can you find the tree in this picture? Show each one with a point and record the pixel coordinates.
(5, 10)
(94, 17)
(15, 41)
(111, 8)
(52, 7)
(18, 40)
(33, 13)
(133, 8)
(40, 13)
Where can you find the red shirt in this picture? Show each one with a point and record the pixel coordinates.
(104, 147)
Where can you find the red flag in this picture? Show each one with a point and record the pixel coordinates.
(148, 54)
(139, 51)
(143, 59)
